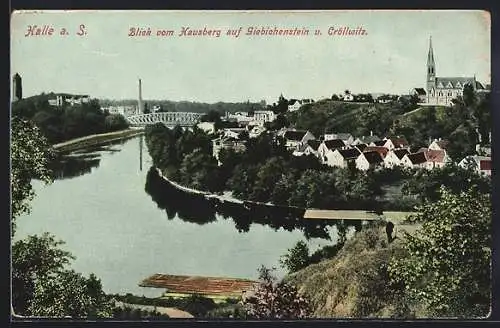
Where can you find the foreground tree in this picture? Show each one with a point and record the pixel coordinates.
(448, 267)
(275, 300)
(30, 155)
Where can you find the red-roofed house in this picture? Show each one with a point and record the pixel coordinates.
(416, 160)
(481, 164)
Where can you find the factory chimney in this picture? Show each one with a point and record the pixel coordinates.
(140, 109)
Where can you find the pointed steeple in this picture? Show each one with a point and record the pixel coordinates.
(431, 66)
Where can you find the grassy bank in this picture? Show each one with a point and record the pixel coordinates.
(95, 139)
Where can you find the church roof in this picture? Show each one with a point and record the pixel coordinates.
(455, 82)
(420, 91)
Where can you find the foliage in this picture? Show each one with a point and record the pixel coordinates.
(61, 123)
(275, 299)
(30, 155)
(448, 266)
(296, 258)
(43, 286)
(128, 313)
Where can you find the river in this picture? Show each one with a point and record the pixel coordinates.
(123, 224)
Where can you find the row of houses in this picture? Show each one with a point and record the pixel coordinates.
(372, 152)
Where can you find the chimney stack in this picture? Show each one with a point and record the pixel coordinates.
(140, 109)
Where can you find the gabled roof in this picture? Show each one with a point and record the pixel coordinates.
(435, 155)
(314, 144)
(351, 153)
(443, 143)
(379, 143)
(400, 152)
(399, 142)
(417, 158)
(454, 82)
(294, 135)
(381, 150)
(420, 91)
(373, 157)
(361, 147)
(334, 144)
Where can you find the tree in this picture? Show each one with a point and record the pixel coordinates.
(275, 299)
(43, 286)
(448, 266)
(296, 258)
(30, 155)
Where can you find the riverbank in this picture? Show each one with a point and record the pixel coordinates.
(309, 213)
(96, 139)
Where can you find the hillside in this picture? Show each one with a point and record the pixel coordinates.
(355, 283)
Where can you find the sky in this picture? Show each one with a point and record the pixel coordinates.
(106, 62)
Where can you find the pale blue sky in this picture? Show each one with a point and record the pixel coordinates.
(106, 63)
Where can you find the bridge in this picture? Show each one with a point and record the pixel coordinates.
(171, 119)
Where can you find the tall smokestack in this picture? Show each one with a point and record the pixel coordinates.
(140, 109)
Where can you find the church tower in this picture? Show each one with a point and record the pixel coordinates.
(431, 73)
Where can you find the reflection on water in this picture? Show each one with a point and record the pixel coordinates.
(197, 209)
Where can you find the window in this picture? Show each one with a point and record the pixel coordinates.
(440, 93)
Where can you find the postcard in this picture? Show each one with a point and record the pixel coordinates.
(251, 164)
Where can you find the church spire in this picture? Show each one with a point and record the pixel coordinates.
(431, 66)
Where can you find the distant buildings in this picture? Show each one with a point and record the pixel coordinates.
(17, 87)
(62, 99)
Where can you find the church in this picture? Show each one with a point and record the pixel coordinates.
(441, 90)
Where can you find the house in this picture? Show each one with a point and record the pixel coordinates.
(439, 144)
(415, 160)
(379, 149)
(436, 158)
(420, 93)
(264, 116)
(309, 148)
(207, 127)
(292, 107)
(342, 157)
(365, 140)
(396, 143)
(368, 160)
(347, 138)
(394, 157)
(62, 98)
(329, 145)
(295, 138)
(347, 96)
(481, 164)
(226, 143)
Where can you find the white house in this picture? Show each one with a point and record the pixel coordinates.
(309, 148)
(396, 143)
(295, 138)
(264, 116)
(416, 160)
(481, 164)
(368, 160)
(295, 106)
(342, 157)
(232, 132)
(208, 127)
(439, 144)
(394, 157)
(436, 158)
(347, 97)
(329, 145)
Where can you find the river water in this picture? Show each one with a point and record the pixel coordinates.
(124, 225)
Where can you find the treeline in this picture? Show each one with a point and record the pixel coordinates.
(61, 123)
(189, 106)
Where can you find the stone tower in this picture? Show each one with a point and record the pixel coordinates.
(431, 72)
(17, 87)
